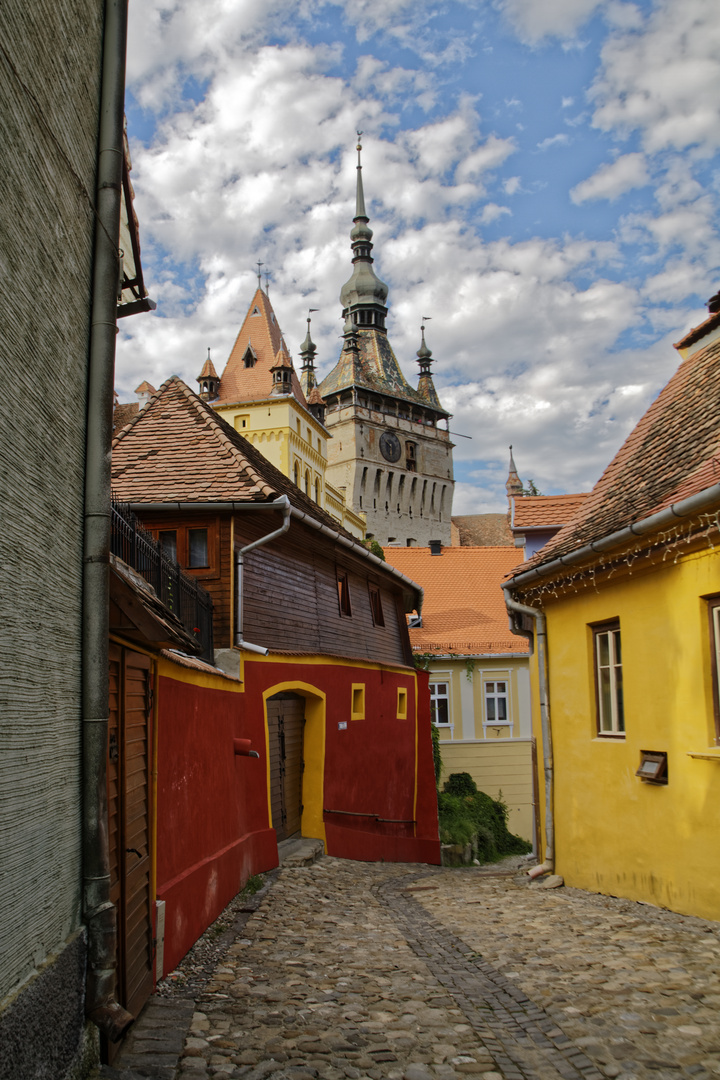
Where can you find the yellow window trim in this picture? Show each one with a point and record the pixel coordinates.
(402, 703)
(357, 702)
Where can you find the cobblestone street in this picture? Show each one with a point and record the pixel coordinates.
(353, 970)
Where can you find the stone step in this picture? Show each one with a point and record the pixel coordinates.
(301, 851)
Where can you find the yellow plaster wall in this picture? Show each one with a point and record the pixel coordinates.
(498, 765)
(614, 833)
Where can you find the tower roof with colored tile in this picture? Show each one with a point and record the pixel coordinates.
(546, 511)
(260, 340)
(464, 609)
(178, 449)
(672, 453)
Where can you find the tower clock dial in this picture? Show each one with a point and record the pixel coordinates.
(390, 446)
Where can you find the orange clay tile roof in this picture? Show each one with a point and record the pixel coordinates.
(673, 452)
(546, 511)
(464, 609)
(123, 414)
(482, 530)
(178, 449)
(145, 388)
(259, 331)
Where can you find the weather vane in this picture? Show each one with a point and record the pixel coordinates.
(259, 273)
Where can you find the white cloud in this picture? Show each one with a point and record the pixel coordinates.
(536, 19)
(491, 212)
(567, 102)
(554, 140)
(512, 185)
(661, 78)
(613, 180)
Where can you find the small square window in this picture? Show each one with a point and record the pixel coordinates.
(402, 699)
(653, 767)
(357, 711)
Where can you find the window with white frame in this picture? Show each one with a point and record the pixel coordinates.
(440, 704)
(608, 678)
(496, 702)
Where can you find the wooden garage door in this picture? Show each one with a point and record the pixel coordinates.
(129, 821)
(286, 719)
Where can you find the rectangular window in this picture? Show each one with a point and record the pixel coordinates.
(714, 612)
(197, 547)
(402, 703)
(376, 606)
(343, 588)
(168, 542)
(440, 704)
(496, 702)
(357, 711)
(608, 679)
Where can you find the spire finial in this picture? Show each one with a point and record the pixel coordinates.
(259, 273)
(360, 194)
(267, 282)
(514, 485)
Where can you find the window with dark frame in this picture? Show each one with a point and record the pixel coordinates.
(197, 548)
(714, 613)
(376, 606)
(193, 547)
(168, 542)
(607, 653)
(343, 588)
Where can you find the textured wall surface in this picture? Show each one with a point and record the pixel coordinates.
(49, 89)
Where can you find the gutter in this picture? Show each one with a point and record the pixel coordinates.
(99, 913)
(300, 515)
(695, 504)
(283, 503)
(512, 605)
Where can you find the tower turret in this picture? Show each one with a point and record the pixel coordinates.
(514, 485)
(208, 380)
(426, 387)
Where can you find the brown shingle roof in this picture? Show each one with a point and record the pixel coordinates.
(123, 414)
(698, 332)
(482, 530)
(464, 608)
(178, 449)
(673, 452)
(546, 511)
(259, 331)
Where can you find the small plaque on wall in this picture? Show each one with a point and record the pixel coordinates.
(342, 725)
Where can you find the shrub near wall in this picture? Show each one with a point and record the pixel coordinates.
(474, 824)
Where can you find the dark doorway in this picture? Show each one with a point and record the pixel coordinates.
(128, 778)
(286, 719)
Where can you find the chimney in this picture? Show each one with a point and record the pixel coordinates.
(435, 547)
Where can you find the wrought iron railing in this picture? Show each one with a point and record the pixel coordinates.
(179, 592)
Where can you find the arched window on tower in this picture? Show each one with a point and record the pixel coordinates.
(317, 492)
(296, 474)
(307, 481)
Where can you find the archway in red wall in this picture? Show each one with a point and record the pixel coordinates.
(281, 695)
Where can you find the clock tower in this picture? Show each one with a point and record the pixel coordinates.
(389, 453)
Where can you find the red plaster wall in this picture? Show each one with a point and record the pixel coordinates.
(370, 764)
(212, 816)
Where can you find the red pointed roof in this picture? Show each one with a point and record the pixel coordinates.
(261, 334)
(208, 371)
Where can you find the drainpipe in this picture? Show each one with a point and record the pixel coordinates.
(283, 503)
(99, 914)
(541, 638)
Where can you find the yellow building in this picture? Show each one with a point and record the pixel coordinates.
(260, 395)
(623, 606)
(479, 678)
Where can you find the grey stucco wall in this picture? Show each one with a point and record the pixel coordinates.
(49, 89)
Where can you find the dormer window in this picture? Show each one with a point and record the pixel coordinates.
(256, 311)
(249, 358)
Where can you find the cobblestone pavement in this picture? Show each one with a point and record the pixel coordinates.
(356, 970)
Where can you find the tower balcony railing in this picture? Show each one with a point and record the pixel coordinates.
(179, 592)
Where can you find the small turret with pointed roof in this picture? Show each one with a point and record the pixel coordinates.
(307, 355)
(426, 387)
(514, 485)
(208, 380)
(282, 372)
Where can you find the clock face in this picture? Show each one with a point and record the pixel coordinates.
(390, 446)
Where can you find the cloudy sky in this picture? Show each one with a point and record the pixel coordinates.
(541, 177)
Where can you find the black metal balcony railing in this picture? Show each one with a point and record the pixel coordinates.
(179, 592)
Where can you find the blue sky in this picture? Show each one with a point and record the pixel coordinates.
(541, 176)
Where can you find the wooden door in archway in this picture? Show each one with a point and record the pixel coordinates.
(286, 720)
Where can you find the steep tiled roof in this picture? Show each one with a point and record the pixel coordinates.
(145, 388)
(464, 608)
(178, 449)
(376, 369)
(699, 332)
(123, 414)
(259, 331)
(673, 452)
(546, 511)
(482, 530)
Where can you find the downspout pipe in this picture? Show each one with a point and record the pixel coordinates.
(512, 605)
(283, 503)
(99, 913)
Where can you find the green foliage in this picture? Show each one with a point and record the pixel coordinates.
(531, 489)
(469, 816)
(469, 669)
(422, 660)
(437, 756)
(375, 549)
(252, 885)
